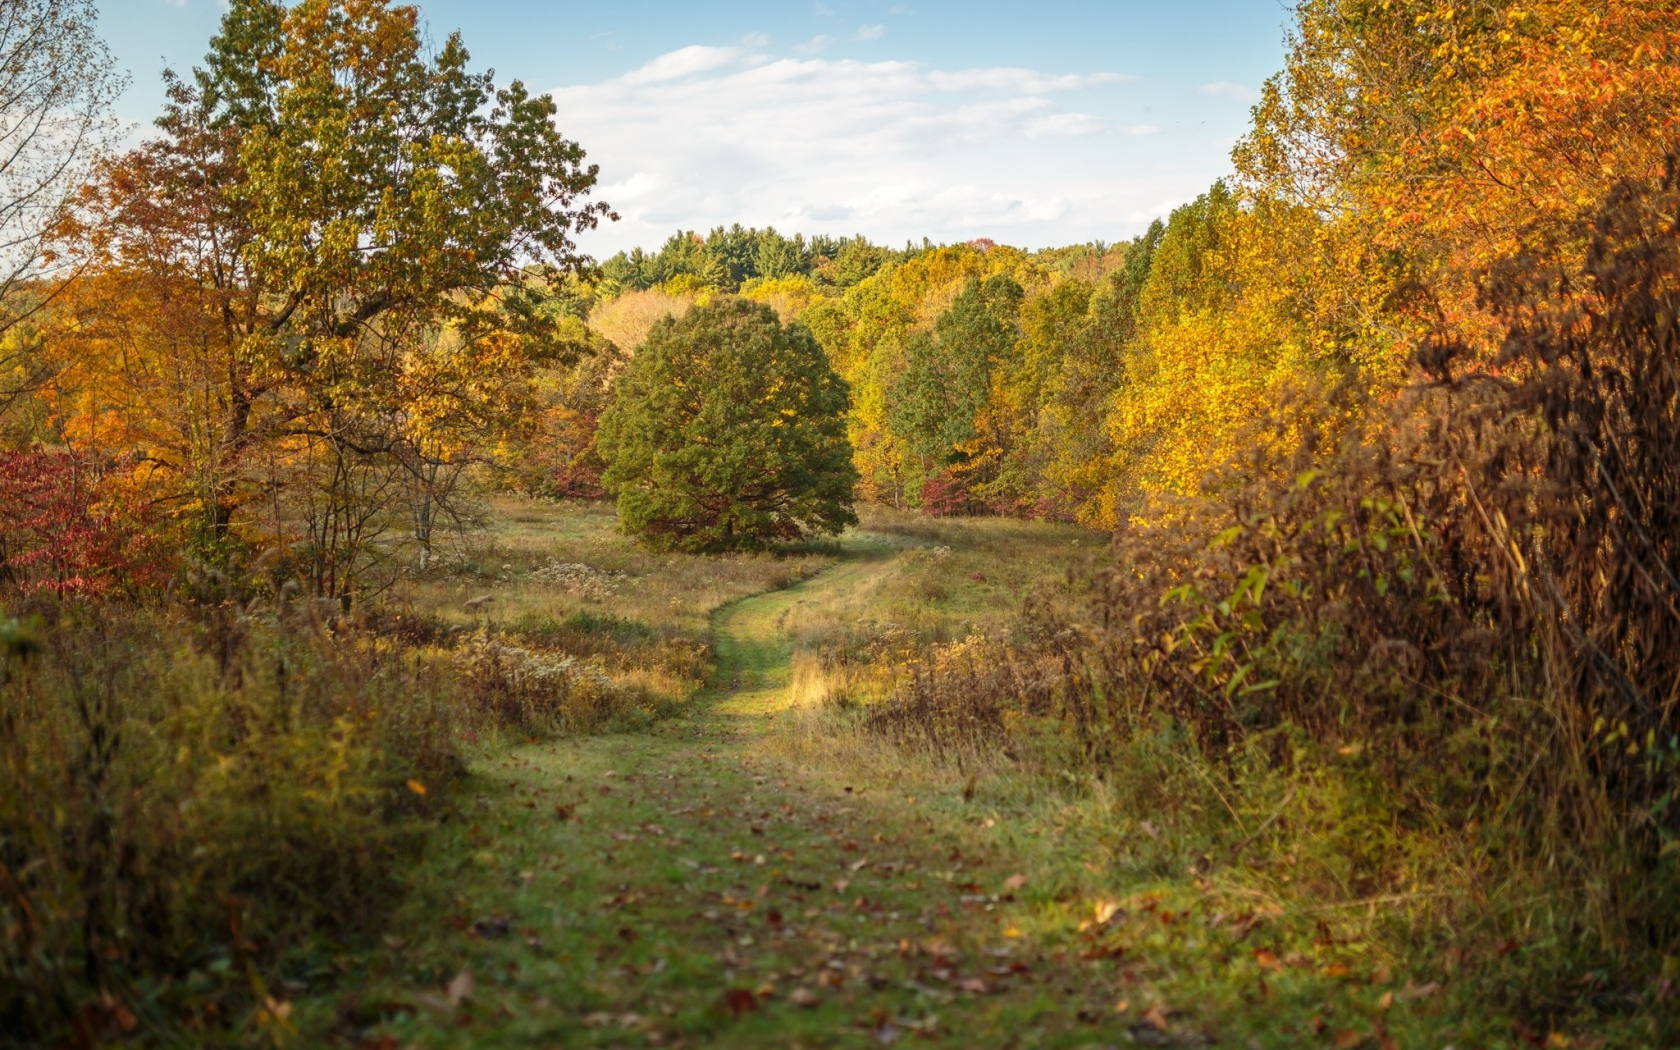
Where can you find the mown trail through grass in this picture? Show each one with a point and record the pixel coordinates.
(683, 887)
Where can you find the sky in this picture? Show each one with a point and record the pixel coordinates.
(1032, 123)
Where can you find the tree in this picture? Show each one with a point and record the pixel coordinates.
(728, 431)
(311, 298)
(938, 398)
(56, 83)
(1445, 135)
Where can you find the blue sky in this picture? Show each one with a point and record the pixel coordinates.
(1030, 123)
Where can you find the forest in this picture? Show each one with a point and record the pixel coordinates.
(1262, 632)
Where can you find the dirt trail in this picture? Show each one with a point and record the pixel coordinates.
(680, 887)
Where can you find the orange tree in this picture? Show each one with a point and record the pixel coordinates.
(313, 286)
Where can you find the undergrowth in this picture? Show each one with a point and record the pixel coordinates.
(208, 801)
(1413, 663)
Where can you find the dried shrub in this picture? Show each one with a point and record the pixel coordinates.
(1492, 558)
(191, 801)
(537, 692)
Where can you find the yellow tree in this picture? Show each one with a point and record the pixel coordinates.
(1436, 136)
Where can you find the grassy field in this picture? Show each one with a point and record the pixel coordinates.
(760, 869)
(556, 578)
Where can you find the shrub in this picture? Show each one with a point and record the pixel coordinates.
(1451, 615)
(193, 807)
(728, 431)
(536, 692)
(66, 526)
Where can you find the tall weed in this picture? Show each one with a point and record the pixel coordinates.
(195, 808)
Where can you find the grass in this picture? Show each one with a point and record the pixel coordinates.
(758, 867)
(556, 577)
(761, 871)
(665, 594)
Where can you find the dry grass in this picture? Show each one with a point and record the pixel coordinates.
(560, 579)
(955, 588)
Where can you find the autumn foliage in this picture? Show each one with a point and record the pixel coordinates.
(72, 527)
(1382, 428)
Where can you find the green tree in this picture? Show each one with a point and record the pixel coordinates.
(728, 432)
(947, 376)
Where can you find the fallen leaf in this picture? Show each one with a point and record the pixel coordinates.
(803, 998)
(1155, 1018)
(124, 1019)
(460, 989)
(738, 1001)
(1418, 991)
(1386, 1001)
(1267, 960)
(1348, 1038)
(417, 787)
(492, 927)
(1014, 882)
(1106, 910)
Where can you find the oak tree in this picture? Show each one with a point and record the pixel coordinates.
(728, 432)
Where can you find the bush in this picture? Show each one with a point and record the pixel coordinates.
(727, 432)
(195, 809)
(67, 526)
(1450, 619)
(1489, 566)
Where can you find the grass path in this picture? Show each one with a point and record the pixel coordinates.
(683, 887)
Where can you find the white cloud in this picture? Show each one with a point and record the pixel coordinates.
(705, 136)
(874, 32)
(755, 40)
(1226, 89)
(1156, 211)
(815, 45)
(683, 62)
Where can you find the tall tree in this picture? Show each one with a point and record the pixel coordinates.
(56, 84)
(356, 219)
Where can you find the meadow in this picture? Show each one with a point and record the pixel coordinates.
(1260, 631)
